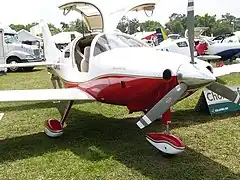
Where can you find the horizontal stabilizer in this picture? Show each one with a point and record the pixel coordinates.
(44, 95)
(209, 57)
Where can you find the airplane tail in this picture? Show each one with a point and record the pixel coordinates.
(51, 52)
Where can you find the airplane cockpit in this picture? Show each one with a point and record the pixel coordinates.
(100, 43)
(106, 42)
(81, 49)
(100, 20)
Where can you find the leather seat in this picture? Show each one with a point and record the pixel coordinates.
(85, 61)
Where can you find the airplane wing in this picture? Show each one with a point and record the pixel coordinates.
(209, 57)
(44, 95)
(227, 69)
(30, 64)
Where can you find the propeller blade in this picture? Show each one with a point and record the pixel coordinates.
(219, 80)
(225, 92)
(190, 25)
(163, 105)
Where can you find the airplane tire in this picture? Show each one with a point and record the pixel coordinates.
(53, 128)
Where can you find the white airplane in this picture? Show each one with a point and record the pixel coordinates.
(116, 68)
(181, 46)
(212, 50)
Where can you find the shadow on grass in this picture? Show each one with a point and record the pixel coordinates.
(180, 118)
(95, 137)
(25, 71)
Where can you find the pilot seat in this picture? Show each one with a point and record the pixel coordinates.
(85, 61)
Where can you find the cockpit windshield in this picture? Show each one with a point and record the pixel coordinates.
(107, 42)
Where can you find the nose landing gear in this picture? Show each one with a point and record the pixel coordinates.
(166, 142)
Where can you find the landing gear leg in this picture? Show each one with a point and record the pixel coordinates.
(56, 81)
(166, 142)
(53, 127)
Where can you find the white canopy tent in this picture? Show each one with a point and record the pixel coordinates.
(24, 35)
(65, 37)
(7, 29)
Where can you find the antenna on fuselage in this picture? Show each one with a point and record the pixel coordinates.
(190, 25)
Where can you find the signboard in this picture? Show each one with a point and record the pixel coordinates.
(216, 104)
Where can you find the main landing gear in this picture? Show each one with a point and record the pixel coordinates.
(53, 127)
(166, 142)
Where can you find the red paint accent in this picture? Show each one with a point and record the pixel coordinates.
(70, 85)
(219, 64)
(166, 117)
(201, 48)
(151, 36)
(161, 137)
(137, 93)
(54, 125)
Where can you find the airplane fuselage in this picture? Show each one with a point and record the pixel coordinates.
(225, 50)
(132, 77)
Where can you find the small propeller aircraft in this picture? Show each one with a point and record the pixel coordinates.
(206, 49)
(181, 46)
(116, 68)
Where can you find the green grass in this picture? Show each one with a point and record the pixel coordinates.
(102, 141)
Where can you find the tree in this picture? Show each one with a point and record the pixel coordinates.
(128, 26)
(54, 30)
(28, 26)
(221, 28)
(65, 26)
(228, 18)
(17, 27)
(231, 21)
(123, 24)
(79, 26)
(177, 23)
(206, 21)
(133, 26)
(150, 25)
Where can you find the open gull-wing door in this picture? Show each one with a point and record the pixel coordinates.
(104, 15)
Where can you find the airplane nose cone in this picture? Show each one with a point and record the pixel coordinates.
(194, 75)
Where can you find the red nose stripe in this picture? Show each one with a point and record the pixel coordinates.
(166, 138)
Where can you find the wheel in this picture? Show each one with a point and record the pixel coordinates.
(28, 69)
(13, 60)
(53, 128)
(166, 143)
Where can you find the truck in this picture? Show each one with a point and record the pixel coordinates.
(17, 52)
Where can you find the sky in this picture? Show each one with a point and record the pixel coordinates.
(28, 11)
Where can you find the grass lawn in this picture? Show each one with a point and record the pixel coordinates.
(102, 141)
